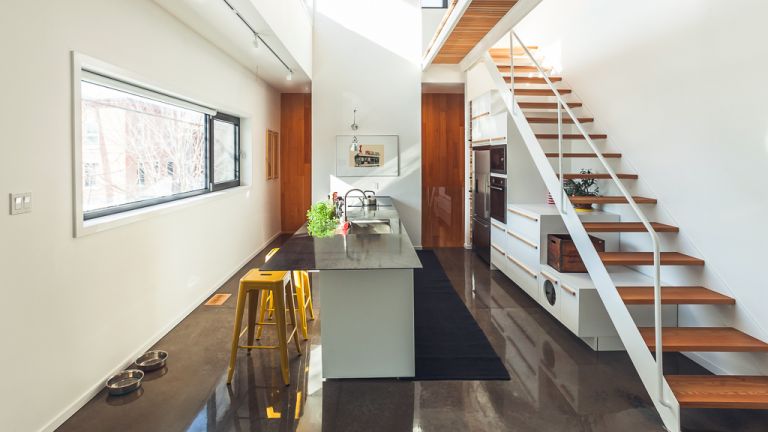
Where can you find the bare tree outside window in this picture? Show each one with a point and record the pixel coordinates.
(136, 149)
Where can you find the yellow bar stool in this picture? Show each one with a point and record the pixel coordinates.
(303, 293)
(277, 285)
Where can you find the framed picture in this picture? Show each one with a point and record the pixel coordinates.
(375, 155)
(273, 155)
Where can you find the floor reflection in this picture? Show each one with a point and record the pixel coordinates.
(558, 384)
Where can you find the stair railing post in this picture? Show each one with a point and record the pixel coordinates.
(560, 155)
(512, 69)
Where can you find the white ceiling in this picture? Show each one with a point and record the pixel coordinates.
(216, 22)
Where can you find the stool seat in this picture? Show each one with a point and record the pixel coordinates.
(275, 285)
(255, 278)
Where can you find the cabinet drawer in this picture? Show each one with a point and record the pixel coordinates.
(524, 249)
(523, 224)
(498, 258)
(499, 235)
(526, 277)
(569, 307)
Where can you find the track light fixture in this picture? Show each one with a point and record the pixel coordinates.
(257, 41)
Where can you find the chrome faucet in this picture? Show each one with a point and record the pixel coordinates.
(346, 218)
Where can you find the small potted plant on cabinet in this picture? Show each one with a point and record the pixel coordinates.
(582, 187)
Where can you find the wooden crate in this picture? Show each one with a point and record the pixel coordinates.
(563, 256)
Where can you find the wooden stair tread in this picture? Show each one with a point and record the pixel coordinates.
(545, 105)
(518, 50)
(553, 120)
(571, 136)
(720, 391)
(540, 92)
(646, 258)
(643, 295)
(609, 200)
(598, 176)
(583, 155)
(699, 339)
(504, 68)
(627, 227)
(533, 80)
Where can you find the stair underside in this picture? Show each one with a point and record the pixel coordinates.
(720, 391)
(540, 92)
(699, 339)
(584, 155)
(643, 295)
(609, 200)
(627, 227)
(646, 258)
(571, 136)
(598, 176)
(553, 120)
(545, 105)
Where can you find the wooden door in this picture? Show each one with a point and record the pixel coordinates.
(295, 159)
(442, 164)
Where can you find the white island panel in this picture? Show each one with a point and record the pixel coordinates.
(367, 324)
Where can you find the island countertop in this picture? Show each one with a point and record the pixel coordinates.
(362, 251)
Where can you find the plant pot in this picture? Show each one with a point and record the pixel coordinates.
(583, 208)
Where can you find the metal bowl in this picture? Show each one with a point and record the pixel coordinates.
(152, 360)
(125, 382)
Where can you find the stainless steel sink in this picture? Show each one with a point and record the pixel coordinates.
(370, 226)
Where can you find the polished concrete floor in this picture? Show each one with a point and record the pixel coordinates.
(557, 385)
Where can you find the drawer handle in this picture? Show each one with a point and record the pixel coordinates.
(522, 239)
(550, 277)
(523, 214)
(497, 225)
(568, 289)
(497, 248)
(523, 266)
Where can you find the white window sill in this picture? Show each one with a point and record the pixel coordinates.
(84, 228)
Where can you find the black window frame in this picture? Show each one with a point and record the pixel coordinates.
(224, 118)
(210, 185)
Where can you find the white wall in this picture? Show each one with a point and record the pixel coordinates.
(291, 22)
(366, 56)
(677, 88)
(74, 310)
(430, 20)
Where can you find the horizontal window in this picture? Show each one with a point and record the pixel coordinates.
(141, 148)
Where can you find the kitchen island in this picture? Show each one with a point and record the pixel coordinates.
(366, 283)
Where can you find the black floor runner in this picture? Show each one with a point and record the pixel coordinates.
(449, 343)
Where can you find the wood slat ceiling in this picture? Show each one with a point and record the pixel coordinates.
(478, 19)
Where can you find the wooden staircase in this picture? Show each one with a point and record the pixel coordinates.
(692, 391)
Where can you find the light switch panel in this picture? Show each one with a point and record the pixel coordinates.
(20, 203)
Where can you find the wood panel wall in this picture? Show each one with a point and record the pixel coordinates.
(442, 164)
(295, 159)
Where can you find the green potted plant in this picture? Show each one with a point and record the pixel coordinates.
(582, 187)
(321, 219)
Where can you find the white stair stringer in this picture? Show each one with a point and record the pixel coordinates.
(637, 349)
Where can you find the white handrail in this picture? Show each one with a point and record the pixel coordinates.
(652, 232)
